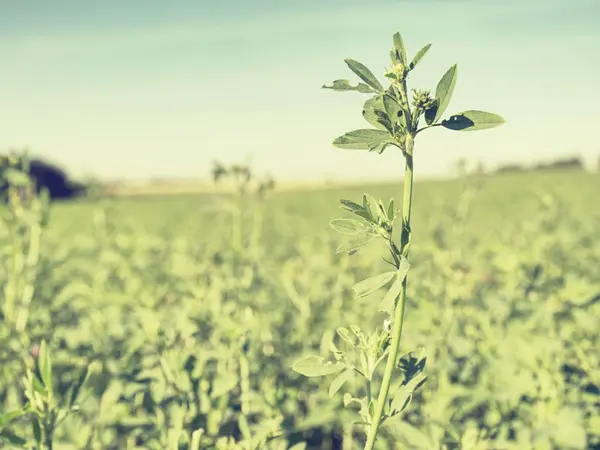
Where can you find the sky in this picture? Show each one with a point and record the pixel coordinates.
(158, 89)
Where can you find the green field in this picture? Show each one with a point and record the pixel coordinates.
(184, 331)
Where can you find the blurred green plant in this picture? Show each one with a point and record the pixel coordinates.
(250, 191)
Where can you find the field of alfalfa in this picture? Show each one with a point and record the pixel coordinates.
(189, 311)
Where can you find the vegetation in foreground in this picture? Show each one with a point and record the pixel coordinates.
(179, 331)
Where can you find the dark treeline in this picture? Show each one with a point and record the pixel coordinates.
(574, 163)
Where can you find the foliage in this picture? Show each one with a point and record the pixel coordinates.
(188, 341)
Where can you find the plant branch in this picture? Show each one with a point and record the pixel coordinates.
(427, 127)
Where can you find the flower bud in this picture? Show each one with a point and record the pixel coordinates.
(422, 100)
(398, 70)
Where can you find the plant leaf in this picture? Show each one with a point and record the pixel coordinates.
(443, 93)
(393, 109)
(370, 204)
(364, 74)
(223, 383)
(363, 139)
(344, 334)
(356, 209)
(370, 285)
(83, 377)
(37, 430)
(473, 120)
(374, 113)
(349, 205)
(15, 177)
(355, 244)
(13, 439)
(45, 364)
(391, 213)
(419, 56)
(399, 47)
(344, 85)
(8, 417)
(314, 366)
(405, 392)
(350, 227)
(196, 438)
(389, 301)
(411, 437)
(339, 381)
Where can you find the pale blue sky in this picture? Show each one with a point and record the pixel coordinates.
(175, 84)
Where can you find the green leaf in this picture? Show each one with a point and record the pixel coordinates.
(568, 430)
(224, 383)
(8, 417)
(317, 417)
(355, 208)
(399, 47)
(38, 386)
(344, 85)
(473, 120)
(370, 285)
(391, 213)
(314, 366)
(370, 205)
(16, 177)
(344, 333)
(419, 56)
(355, 244)
(196, 438)
(393, 109)
(339, 381)
(412, 437)
(37, 430)
(83, 377)
(349, 227)
(405, 392)
(45, 364)
(244, 427)
(351, 206)
(374, 113)
(443, 93)
(389, 301)
(11, 438)
(364, 139)
(364, 74)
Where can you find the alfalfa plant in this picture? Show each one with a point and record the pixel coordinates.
(251, 191)
(395, 122)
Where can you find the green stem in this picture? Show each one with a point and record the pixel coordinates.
(398, 321)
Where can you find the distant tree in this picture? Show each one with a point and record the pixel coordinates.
(508, 168)
(44, 176)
